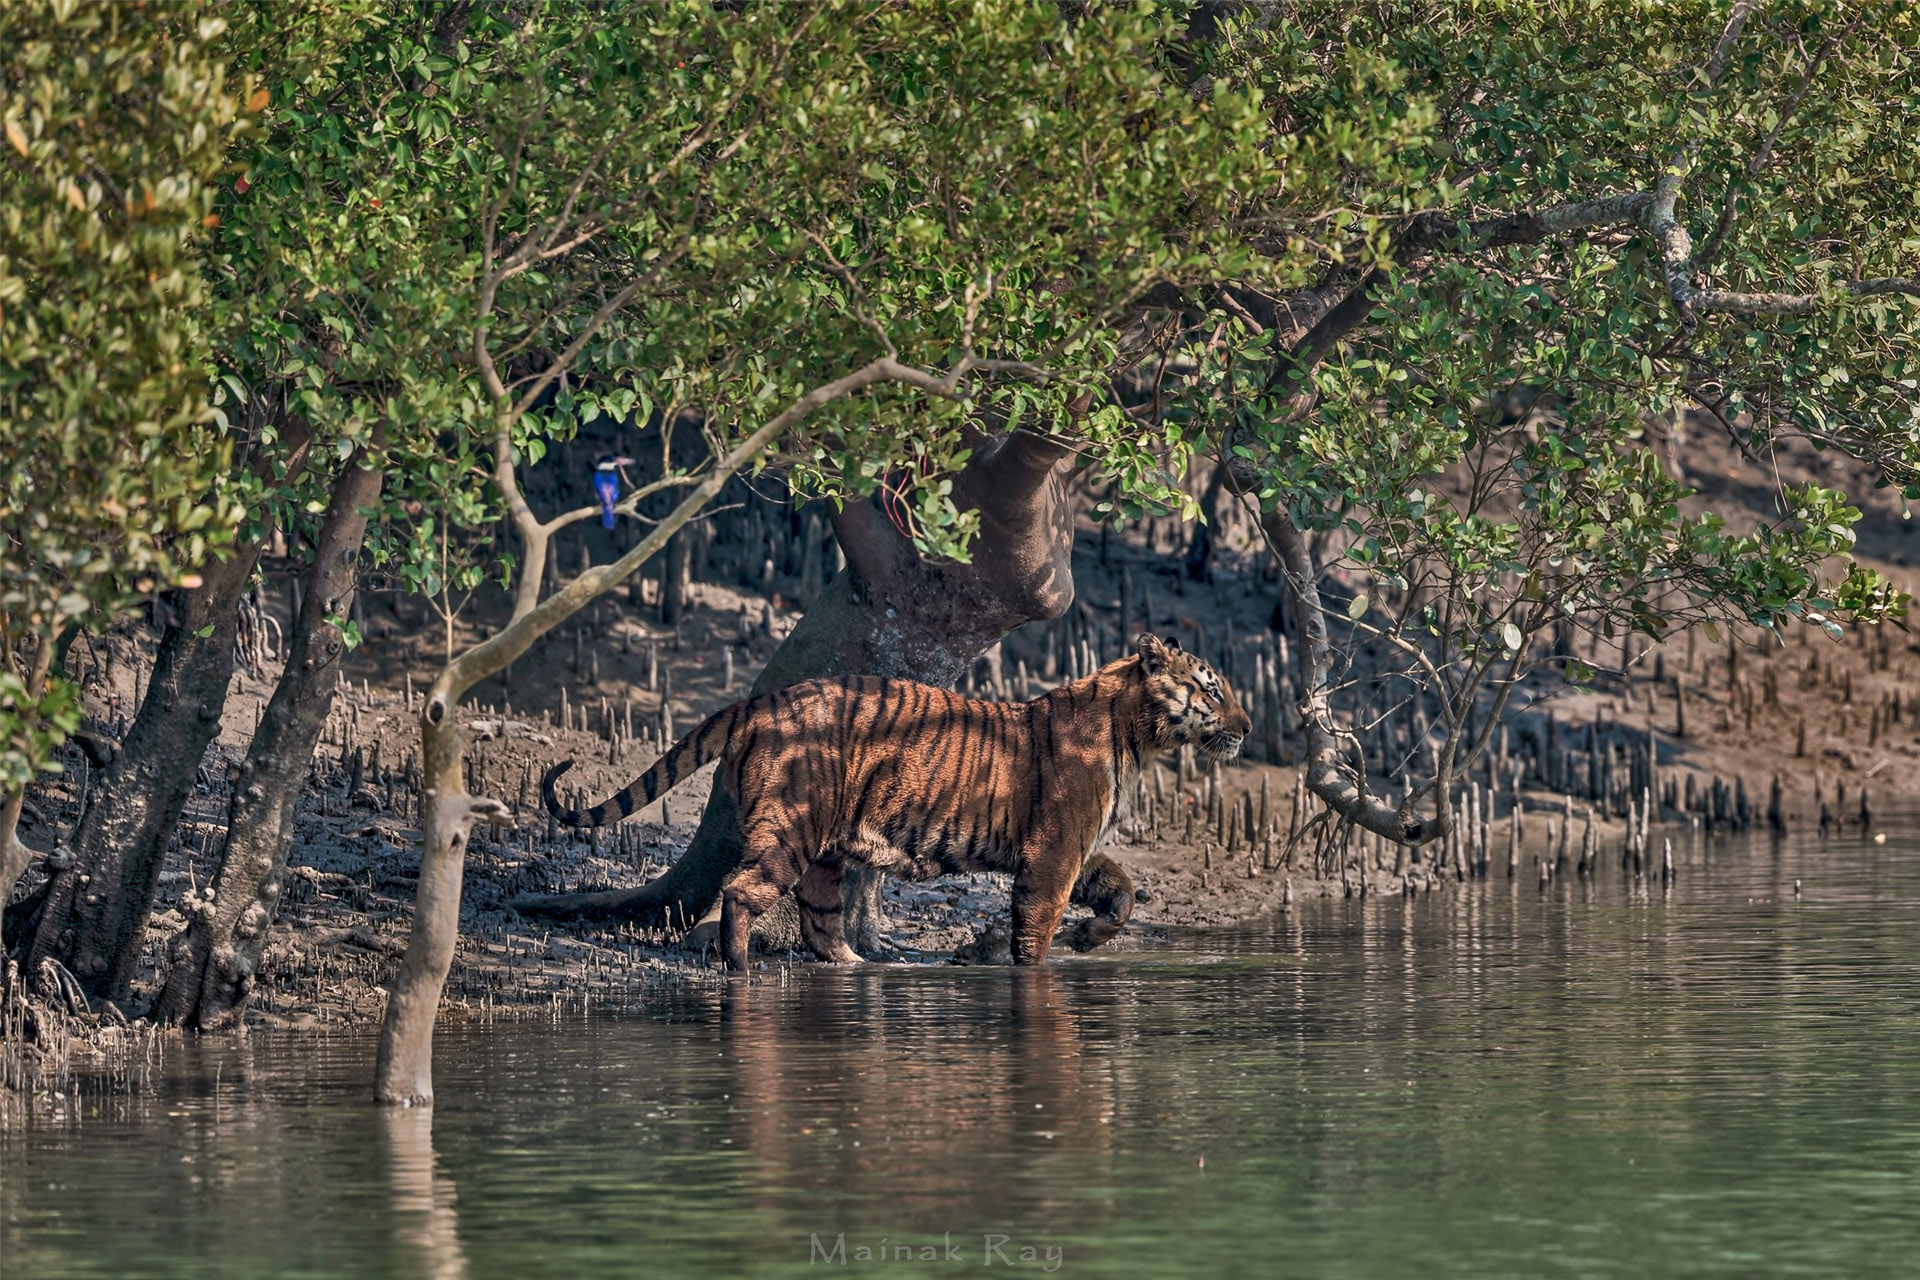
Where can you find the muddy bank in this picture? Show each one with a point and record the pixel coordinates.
(1203, 846)
(607, 692)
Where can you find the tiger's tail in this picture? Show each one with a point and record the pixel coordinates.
(700, 747)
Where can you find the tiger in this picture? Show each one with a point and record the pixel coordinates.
(921, 782)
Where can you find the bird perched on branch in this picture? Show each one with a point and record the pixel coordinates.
(606, 484)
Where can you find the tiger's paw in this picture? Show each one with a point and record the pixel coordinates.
(1085, 935)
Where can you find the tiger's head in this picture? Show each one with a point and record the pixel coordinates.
(1187, 701)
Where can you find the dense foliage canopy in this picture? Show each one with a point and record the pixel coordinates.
(1555, 242)
(1435, 282)
(116, 124)
(1613, 225)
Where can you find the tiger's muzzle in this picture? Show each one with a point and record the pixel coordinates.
(1224, 745)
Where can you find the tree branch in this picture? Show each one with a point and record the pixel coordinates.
(494, 654)
(1673, 242)
(1675, 245)
(1438, 231)
(1326, 776)
(1729, 36)
(1795, 304)
(562, 362)
(1320, 338)
(1655, 212)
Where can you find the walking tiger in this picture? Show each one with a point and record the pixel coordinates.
(921, 781)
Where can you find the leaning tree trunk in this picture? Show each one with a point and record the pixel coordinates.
(212, 963)
(97, 905)
(888, 613)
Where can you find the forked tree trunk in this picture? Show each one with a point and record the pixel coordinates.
(403, 1068)
(97, 907)
(888, 613)
(212, 963)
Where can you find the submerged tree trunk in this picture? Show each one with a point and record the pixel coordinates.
(97, 907)
(888, 613)
(403, 1070)
(213, 962)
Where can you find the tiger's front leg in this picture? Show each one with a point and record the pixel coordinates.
(1040, 891)
(780, 840)
(764, 874)
(822, 915)
(1104, 887)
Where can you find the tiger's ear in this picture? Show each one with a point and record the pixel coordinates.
(1154, 652)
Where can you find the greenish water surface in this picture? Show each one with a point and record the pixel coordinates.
(1607, 1080)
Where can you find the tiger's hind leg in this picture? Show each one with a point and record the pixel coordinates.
(822, 920)
(1104, 887)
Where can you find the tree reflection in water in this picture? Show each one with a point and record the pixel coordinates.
(426, 1222)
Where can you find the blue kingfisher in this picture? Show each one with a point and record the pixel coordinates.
(606, 483)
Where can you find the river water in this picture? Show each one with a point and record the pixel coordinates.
(1606, 1080)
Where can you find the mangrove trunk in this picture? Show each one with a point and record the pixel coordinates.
(213, 961)
(97, 904)
(14, 855)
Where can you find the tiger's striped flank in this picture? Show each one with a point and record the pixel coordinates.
(920, 781)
